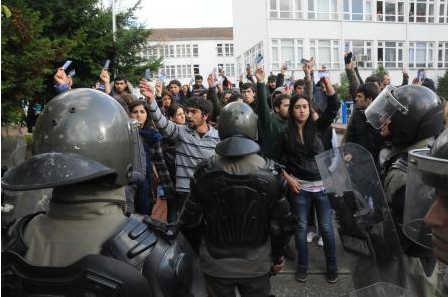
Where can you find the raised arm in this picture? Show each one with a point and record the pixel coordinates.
(169, 128)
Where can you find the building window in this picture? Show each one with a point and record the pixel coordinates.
(443, 11)
(228, 49)
(442, 56)
(286, 50)
(250, 55)
(421, 11)
(169, 71)
(390, 54)
(390, 11)
(357, 10)
(196, 69)
(421, 54)
(219, 49)
(230, 69)
(362, 52)
(286, 9)
(168, 51)
(195, 50)
(322, 9)
(326, 52)
(225, 49)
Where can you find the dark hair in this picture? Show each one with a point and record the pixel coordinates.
(223, 95)
(204, 105)
(128, 99)
(278, 100)
(369, 89)
(198, 76)
(246, 86)
(172, 110)
(235, 97)
(120, 76)
(169, 94)
(374, 78)
(145, 106)
(272, 78)
(299, 83)
(175, 82)
(309, 129)
(123, 104)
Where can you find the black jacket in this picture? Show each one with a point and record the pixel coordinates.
(298, 161)
(361, 132)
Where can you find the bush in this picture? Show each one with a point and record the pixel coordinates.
(442, 86)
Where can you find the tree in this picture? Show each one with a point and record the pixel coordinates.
(381, 70)
(40, 35)
(343, 88)
(442, 86)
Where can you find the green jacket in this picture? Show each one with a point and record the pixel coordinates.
(272, 124)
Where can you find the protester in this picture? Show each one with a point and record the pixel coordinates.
(195, 141)
(145, 200)
(198, 89)
(300, 143)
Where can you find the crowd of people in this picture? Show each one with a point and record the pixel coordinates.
(198, 146)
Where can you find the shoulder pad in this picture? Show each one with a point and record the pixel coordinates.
(204, 167)
(14, 240)
(135, 241)
(401, 163)
(132, 244)
(274, 167)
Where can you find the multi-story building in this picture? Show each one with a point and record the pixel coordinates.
(399, 34)
(190, 51)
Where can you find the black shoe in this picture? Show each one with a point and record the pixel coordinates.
(301, 276)
(332, 276)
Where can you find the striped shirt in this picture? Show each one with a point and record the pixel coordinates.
(191, 148)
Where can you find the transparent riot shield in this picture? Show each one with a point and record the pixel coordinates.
(382, 290)
(363, 219)
(16, 204)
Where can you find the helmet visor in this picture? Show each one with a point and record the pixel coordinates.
(426, 176)
(383, 108)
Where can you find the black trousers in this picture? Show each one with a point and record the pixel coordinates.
(247, 287)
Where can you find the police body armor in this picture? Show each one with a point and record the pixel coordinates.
(238, 210)
(155, 249)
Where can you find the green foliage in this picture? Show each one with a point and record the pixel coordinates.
(40, 35)
(442, 87)
(381, 70)
(343, 88)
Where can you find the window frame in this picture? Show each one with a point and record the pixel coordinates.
(365, 50)
(423, 19)
(335, 63)
(291, 13)
(383, 16)
(381, 44)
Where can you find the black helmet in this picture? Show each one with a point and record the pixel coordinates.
(415, 113)
(81, 135)
(427, 178)
(237, 127)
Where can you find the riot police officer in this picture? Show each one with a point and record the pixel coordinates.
(83, 149)
(426, 209)
(409, 117)
(237, 202)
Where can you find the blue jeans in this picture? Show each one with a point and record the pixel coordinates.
(301, 204)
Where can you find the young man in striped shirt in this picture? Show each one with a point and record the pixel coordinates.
(196, 140)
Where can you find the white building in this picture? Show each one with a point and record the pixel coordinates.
(409, 34)
(190, 51)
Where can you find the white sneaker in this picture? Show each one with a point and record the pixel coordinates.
(309, 236)
(320, 242)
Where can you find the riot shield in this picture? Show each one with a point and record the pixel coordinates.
(363, 218)
(382, 290)
(16, 204)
